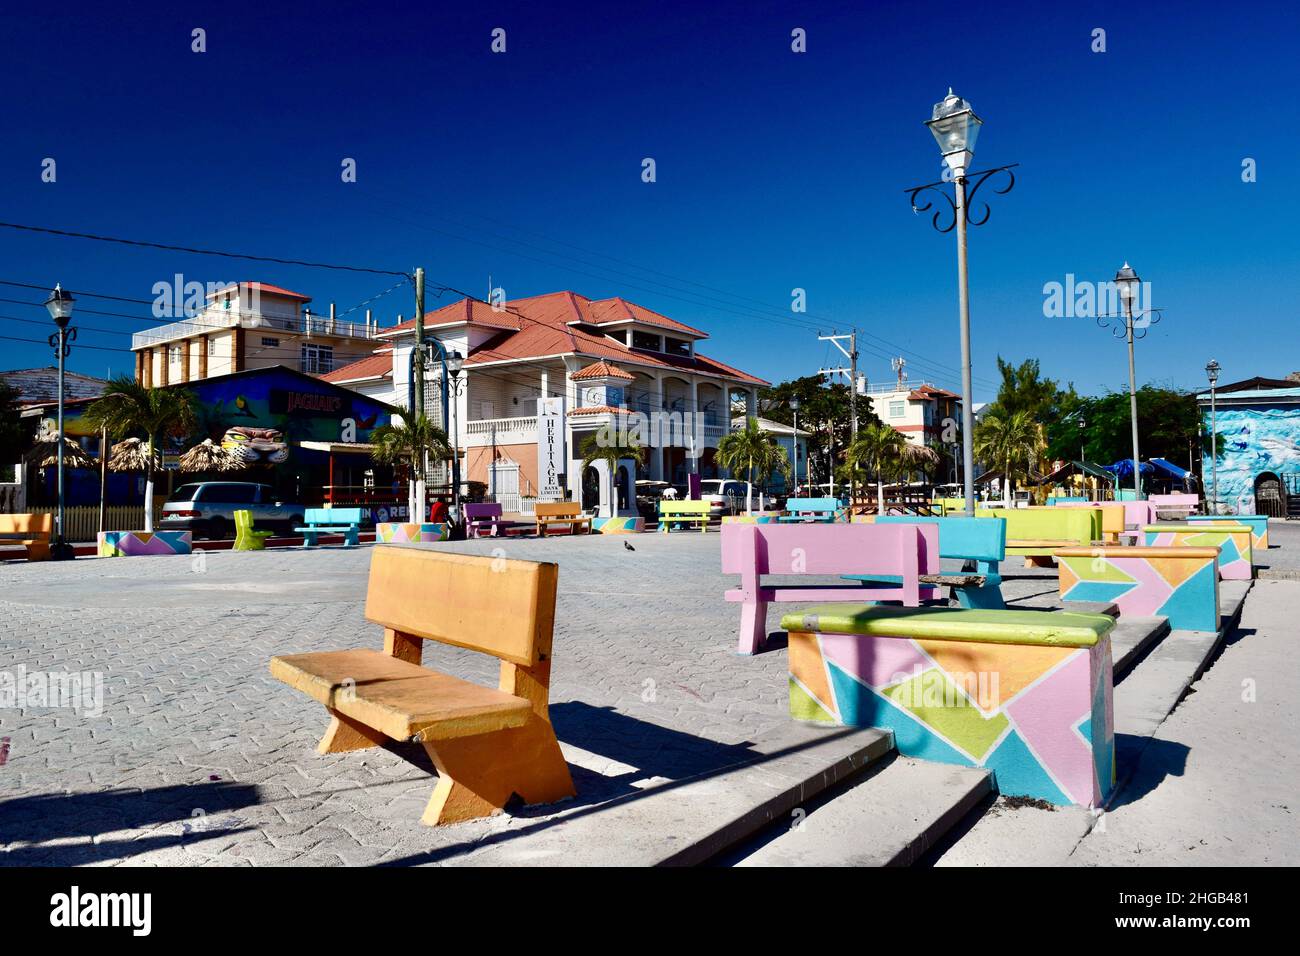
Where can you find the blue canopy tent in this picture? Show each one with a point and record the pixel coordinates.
(1124, 468)
(1175, 475)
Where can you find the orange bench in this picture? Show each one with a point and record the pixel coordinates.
(488, 744)
(560, 512)
(31, 531)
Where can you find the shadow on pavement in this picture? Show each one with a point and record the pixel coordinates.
(1151, 760)
(37, 820)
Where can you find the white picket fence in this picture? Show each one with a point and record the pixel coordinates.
(83, 520)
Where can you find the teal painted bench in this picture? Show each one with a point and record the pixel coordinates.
(810, 509)
(980, 542)
(344, 521)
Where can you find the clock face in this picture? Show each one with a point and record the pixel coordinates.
(593, 397)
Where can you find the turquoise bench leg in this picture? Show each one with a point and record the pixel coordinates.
(352, 538)
(309, 539)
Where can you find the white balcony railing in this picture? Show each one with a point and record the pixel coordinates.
(216, 319)
(501, 431)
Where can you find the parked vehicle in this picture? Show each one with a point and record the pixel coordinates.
(726, 496)
(207, 508)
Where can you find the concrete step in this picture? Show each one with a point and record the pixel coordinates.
(690, 821)
(890, 817)
(1133, 637)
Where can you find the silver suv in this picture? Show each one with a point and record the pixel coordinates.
(207, 508)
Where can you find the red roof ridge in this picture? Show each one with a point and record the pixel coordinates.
(601, 369)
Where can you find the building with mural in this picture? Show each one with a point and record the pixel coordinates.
(307, 437)
(1258, 426)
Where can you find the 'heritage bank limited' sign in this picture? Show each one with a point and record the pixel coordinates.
(550, 447)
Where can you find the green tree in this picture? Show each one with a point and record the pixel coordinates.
(1013, 441)
(824, 412)
(877, 450)
(417, 441)
(754, 452)
(14, 437)
(128, 407)
(611, 446)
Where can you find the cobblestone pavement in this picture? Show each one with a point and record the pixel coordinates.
(197, 757)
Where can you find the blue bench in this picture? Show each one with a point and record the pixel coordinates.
(980, 541)
(810, 509)
(344, 521)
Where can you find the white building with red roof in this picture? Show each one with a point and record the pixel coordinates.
(607, 360)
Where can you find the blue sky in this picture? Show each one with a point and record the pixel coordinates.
(775, 170)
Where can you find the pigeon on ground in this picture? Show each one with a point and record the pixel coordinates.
(628, 546)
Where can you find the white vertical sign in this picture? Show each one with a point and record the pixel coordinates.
(550, 448)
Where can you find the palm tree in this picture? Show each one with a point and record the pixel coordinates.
(415, 439)
(128, 406)
(1013, 441)
(877, 448)
(755, 452)
(611, 447)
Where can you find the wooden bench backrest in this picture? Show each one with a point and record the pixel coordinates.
(1184, 500)
(338, 516)
(484, 509)
(830, 549)
(811, 504)
(556, 509)
(973, 539)
(683, 507)
(38, 524)
(501, 607)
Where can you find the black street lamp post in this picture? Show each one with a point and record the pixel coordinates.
(60, 305)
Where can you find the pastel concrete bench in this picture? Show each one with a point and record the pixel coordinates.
(126, 544)
(395, 532)
(1037, 533)
(1258, 525)
(485, 516)
(755, 517)
(546, 513)
(1181, 584)
(488, 744)
(904, 551)
(344, 521)
(1175, 506)
(980, 542)
(32, 531)
(619, 524)
(1026, 694)
(811, 509)
(683, 513)
(1114, 517)
(1236, 556)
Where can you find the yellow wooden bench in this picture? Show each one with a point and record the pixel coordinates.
(489, 745)
(682, 513)
(560, 512)
(33, 532)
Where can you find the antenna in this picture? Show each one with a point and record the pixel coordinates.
(899, 365)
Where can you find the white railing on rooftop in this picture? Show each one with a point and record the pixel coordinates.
(216, 319)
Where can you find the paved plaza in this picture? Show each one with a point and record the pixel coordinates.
(195, 755)
(198, 756)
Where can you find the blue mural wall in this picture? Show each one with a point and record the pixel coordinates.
(1253, 439)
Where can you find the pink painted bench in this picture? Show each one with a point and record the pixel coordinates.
(903, 551)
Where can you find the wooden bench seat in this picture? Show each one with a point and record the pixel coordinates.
(32, 531)
(344, 521)
(399, 699)
(684, 513)
(560, 512)
(489, 745)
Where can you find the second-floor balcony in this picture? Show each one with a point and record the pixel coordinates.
(523, 431)
(216, 320)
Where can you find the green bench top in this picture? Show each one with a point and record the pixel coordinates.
(1049, 628)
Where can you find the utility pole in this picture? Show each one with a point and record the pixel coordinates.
(851, 353)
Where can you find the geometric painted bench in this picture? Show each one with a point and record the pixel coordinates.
(118, 544)
(1258, 525)
(488, 744)
(1233, 542)
(394, 532)
(1025, 694)
(1181, 584)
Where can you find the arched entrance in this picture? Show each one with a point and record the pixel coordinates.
(1270, 496)
(624, 488)
(590, 488)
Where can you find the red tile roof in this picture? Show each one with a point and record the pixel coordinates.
(598, 410)
(547, 325)
(601, 369)
(267, 288)
(378, 365)
(617, 310)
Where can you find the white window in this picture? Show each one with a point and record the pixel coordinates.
(174, 355)
(896, 409)
(317, 359)
(268, 340)
(212, 347)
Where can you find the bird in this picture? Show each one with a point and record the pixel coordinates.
(628, 546)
